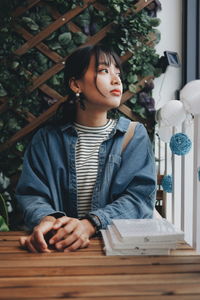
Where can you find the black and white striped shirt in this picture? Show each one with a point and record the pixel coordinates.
(87, 151)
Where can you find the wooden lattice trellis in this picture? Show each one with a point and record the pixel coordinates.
(36, 41)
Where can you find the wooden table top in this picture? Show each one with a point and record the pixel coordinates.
(89, 274)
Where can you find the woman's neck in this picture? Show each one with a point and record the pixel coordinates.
(91, 118)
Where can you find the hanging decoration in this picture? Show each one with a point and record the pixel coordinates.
(175, 112)
(180, 144)
(190, 97)
(165, 133)
(167, 183)
(172, 113)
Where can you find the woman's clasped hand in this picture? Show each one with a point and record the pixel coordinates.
(63, 234)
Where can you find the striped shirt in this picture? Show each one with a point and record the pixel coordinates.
(87, 151)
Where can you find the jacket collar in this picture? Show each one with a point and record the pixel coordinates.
(122, 125)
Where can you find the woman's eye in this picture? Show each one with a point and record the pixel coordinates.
(103, 70)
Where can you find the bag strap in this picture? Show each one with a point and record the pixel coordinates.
(129, 134)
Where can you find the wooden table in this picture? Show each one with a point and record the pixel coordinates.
(89, 274)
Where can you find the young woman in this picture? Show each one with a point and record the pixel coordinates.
(75, 177)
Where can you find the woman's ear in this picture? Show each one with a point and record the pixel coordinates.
(74, 86)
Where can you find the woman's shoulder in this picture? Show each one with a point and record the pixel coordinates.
(139, 128)
(46, 132)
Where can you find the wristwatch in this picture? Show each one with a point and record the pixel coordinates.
(95, 221)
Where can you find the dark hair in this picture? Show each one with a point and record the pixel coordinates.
(76, 66)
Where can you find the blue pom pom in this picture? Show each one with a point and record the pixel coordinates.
(180, 144)
(167, 183)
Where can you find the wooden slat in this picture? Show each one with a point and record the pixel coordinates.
(97, 270)
(127, 95)
(142, 4)
(117, 297)
(50, 29)
(30, 127)
(120, 297)
(101, 280)
(129, 113)
(159, 178)
(22, 9)
(159, 195)
(112, 290)
(41, 46)
(55, 14)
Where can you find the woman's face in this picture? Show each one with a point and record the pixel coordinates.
(102, 89)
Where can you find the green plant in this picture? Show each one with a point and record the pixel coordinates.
(3, 215)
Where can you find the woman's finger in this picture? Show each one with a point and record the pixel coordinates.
(22, 241)
(65, 231)
(68, 240)
(61, 222)
(38, 235)
(30, 246)
(82, 242)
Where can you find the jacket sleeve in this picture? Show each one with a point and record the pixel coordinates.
(33, 192)
(133, 190)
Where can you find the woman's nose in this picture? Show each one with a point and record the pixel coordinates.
(115, 79)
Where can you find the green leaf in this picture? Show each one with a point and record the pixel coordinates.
(140, 110)
(65, 38)
(30, 23)
(133, 100)
(3, 225)
(79, 38)
(55, 45)
(51, 36)
(15, 64)
(1, 124)
(154, 22)
(55, 80)
(132, 88)
(42, 59)
(132, 78)
(117, 8)
(20, 147)
(71, 47)
(3, 209)
(3, 92)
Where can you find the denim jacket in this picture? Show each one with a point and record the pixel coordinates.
(125, 185)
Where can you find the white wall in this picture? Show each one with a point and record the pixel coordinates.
(171, 40)
(165, 89)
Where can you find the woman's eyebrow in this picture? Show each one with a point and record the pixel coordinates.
(107, 64)
(104, 63)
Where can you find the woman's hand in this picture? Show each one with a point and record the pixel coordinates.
(36, 241)
(72, 234)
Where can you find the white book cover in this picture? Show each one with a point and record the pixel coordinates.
(109, 251)
(118, 244)
(146, 230)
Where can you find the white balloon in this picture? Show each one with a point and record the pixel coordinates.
(190, 96)
(165, 133)
(172, 113)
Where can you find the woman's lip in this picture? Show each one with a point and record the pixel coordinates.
(118, 92)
